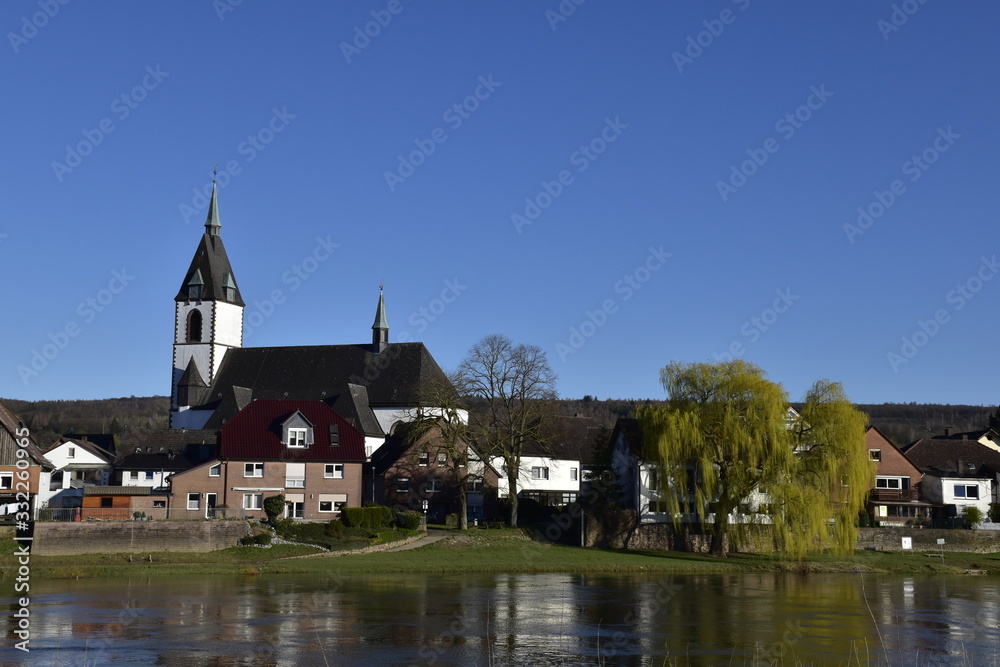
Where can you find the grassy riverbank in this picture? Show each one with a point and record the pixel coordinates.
(507, 550)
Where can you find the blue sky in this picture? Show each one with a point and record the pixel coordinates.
(623, 185)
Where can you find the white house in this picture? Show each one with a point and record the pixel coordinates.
(78, 463)
(961, 492)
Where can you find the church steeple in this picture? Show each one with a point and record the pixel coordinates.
(208, 321)
(380, 329)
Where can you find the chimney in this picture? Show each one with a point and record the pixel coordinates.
(947, 431)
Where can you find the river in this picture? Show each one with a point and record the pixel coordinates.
(542, 619)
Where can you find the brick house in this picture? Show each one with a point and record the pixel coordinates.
(300, 449)
(414, 467)
(896, 497)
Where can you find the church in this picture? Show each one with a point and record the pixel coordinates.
(371, 385)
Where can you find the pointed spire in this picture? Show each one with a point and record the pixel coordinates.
(212, 224)
(380, 329)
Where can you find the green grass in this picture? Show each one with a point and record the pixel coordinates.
(485, 551)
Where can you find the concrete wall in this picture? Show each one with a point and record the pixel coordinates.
(56, 539)
(889, 539)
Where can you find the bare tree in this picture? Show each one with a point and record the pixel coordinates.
(517, 386)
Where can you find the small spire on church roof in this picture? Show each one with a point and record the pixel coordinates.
(212, 224)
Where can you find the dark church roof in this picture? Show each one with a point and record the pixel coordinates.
(392, 378)
(210, 268)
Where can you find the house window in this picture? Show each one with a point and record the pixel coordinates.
(296, 438)
(892, 482)
(215, 471)
(574, 474)
(193, 501)
(539, 473)
(159, 503)
(658, 506)
(295, 475)
(332, 502)
(477, 485)
(253, 501)
(334, 435)
(424, 458)
(6, 480)
(433, 486)
(295, 509)
(71, 452)
(875, 455)
(654, 479)
(442, 459)
(969, 491)
(403, 485)
(253, 469)
(334, 471)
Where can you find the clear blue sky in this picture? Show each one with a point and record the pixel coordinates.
(613, 120)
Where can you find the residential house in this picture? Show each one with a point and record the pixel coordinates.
(958, 471)
(21, 476)
(552, 471)
(416, 470)
(148, 457)
(896, 497)
(372, 386)
(300, 449)
(638, 480)
(78, 463)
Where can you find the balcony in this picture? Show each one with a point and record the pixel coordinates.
(890, 495)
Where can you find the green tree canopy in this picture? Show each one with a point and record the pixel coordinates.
(728, 446)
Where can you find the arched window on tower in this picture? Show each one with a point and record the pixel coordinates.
(194, 327)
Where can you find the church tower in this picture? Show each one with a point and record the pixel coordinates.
(380, 329)
(208, 321)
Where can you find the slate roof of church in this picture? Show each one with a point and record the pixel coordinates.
(255, 433)
(391, 378)
(211, 262)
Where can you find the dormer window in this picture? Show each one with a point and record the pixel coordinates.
(297, 431)
(194, 292)
(296, 437)
(228, 287)
(194, 286)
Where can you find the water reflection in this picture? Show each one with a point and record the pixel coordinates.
(512, 619)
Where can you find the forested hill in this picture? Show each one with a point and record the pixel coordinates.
(901, 422)
(48, 420)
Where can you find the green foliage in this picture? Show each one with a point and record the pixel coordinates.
(723, 446)
(262, 539)
(335, 529)
(408, 520)
(274, 506)
(973, 516)
(353, 517)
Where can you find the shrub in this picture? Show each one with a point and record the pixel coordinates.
(335, 529)
(408, 520)
(274, 507)
(263, 538)
(388, 515)
(247, 541)
(451, 521)
(376, 517)
(973, 516)
(353, 517)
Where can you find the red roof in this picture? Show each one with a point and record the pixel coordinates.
(255, 433)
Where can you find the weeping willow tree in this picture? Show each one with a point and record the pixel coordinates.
(727, 446)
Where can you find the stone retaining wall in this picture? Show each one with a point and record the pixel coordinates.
(58, 539)
(890, 539)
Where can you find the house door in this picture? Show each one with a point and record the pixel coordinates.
(210, 504)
